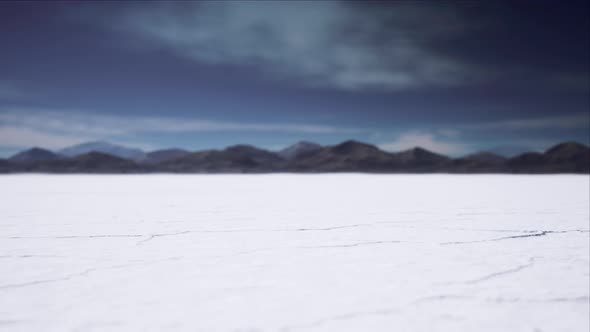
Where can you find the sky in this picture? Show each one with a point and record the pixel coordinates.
(451, 76)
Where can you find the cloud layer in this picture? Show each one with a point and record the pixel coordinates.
(570, 121)
(336, 44)
(449, 141)
(22, 128)
(51, 129)
(429, 141)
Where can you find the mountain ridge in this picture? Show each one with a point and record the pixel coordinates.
(348, 156)
(34, 154)
(298, 149)
(104, 147)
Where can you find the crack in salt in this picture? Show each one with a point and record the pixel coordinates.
(77, 236)
(31, 256)
(461, 229)
(153, 236)
(442, 298)
(282, 229)
(501, 273)
(150, 236)
(578, 299)
(326, 228)
(81, 274)
(536, 234)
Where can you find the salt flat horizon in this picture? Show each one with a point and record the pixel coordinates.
(156, 174)
(294, 252)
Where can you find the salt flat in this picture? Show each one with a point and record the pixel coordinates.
(346, 252)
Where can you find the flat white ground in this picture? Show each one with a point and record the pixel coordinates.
(294, 253)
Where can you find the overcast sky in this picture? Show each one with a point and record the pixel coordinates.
(453, 77)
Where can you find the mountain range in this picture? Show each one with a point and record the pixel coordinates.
(302, 157)
(103, 147)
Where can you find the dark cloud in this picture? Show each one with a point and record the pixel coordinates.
(369, 45)
(338, 44)
(289, 70)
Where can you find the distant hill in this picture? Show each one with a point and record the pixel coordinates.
(235, 159)
(103, 147)
(299, 149)
(160, 156)
(303, 157)
(485, 157)
(509, 151)
(7, 166)
(480, 162)
(349, 156)
(34, 154)
(568, 152)
(92, 162)
(568, 157)
(102, 162)
(421, 160)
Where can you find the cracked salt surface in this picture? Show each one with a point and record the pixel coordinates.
(338, 252)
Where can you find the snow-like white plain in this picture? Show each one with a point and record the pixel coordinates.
(342, 252)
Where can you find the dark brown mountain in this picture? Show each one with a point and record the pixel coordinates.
(349, 156)
(486, 157)
(160, 156)
(6, 166)
(102, 162)
(93, 162)
(234, 159)
(103, 147)
(530, 162)
(420, 160)
(299, 149)
(568, 157)
(33, 155)
(481, 162)
(569, 153)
